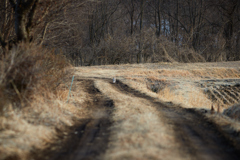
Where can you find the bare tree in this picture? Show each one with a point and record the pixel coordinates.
(26, 20)
(91, 33)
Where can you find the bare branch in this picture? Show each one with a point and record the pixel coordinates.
(31, 15)
(28, 4)
(44, 33)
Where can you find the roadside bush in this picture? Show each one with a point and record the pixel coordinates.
(33, 106)
(28, 68)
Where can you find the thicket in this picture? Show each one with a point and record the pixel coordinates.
(26, 70)
(126, 31)
(139, 31)
(26, 66)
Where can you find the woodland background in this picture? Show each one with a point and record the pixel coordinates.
(100, 32)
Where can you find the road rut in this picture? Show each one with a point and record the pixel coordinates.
(89, 138)
(197, 136)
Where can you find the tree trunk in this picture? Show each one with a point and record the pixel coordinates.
(132, 16)
(177, 17)
(159, 18)
(228, 33)
(24, 12)
(20, 27)
(141, 14)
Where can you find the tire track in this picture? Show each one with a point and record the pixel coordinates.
(89, 138)
(138, 131)
(198, 137)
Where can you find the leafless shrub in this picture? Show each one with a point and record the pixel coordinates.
(27, 68)
(144, 47)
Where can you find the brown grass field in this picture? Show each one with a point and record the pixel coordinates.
(153, 111)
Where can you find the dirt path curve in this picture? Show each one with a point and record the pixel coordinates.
(198, 138)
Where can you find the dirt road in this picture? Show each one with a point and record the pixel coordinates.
(131, 125)
(196, 135)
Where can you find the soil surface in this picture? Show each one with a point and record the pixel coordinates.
(197, 137)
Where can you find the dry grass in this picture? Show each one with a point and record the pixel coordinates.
(227, 124)
(187, 73)
(192, 98)
(233, 112)
(216, 73)
(229, 127)
(29, 67)
(18, 137)
(162, 72)
(177, 85)
(186, 95)
(33, 100)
